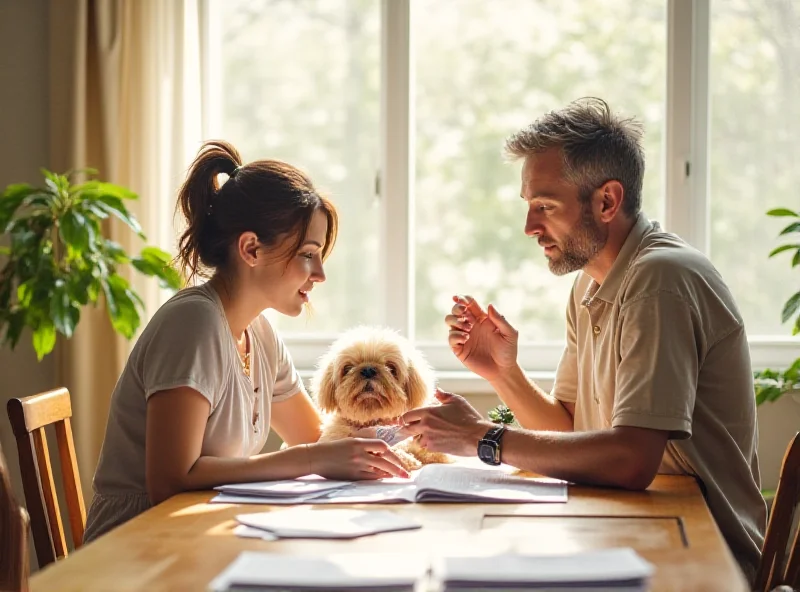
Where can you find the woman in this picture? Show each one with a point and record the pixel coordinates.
(209, 376)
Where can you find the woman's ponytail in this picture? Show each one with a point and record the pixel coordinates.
(197, 251)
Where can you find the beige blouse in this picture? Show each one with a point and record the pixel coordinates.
(188, 342)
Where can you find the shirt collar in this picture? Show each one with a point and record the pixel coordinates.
(607, 291)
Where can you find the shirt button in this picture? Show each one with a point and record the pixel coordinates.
(596, 329)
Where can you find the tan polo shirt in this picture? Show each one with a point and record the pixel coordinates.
(661, 345)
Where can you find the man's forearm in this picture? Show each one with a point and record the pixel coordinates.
(603, 457)
(533, 408)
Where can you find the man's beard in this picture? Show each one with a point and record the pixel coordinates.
(585, 240)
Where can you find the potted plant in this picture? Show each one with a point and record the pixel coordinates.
(770, 384)
(59, 260)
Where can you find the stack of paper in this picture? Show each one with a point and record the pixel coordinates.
(433, 483)
(308, 523)
(270, 571)
(288, 491)
(596, 571)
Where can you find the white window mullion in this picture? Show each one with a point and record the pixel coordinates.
(687, 121)
(397, 166)
(211, 69)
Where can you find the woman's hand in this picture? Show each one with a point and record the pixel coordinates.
(485, 343)
(354, 459)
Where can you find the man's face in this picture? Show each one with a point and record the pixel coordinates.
(563, 223)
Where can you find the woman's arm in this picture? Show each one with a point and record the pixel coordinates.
(296, 420)
(176, 421)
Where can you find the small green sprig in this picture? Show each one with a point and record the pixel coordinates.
(501, 414)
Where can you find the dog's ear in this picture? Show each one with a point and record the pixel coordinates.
(420, 383)
(323, 387)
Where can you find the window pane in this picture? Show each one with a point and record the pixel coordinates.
(486, 68)
(754, 151)
(300, 82)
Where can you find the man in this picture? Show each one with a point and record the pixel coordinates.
(655, 376)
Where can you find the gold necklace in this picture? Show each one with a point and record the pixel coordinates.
(245, 359)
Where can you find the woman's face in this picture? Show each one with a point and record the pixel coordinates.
(287, 283)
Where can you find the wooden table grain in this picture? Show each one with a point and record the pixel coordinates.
(183, 543)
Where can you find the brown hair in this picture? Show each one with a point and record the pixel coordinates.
(271, 198)
(596, 145)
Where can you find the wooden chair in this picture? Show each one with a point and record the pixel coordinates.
(14, 565)
(779, 566)
(28, 417)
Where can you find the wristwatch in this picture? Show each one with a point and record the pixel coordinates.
(489, 446)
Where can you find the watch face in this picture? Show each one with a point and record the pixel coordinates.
(489, 452)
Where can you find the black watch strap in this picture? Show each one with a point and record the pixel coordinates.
(495, 433)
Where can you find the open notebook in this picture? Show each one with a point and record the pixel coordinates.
(433, 483)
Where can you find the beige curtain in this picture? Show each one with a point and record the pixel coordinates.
(125, 99)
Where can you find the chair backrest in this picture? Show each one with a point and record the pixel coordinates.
(14, 566)
(779, 566)
(28, 418)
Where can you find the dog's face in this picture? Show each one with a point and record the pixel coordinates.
(372, 374)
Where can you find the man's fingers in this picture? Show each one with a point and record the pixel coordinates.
(413, 416)
(460, 323)
(472, 308)
(444, 396)
(500, 321)
(457, 338)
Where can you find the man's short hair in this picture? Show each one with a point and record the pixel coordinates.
(597, 146)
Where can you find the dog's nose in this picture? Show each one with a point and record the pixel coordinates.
(368, 372)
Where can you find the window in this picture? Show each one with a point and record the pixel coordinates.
(299, 81)
(754, 154)
(483, 71)
(399, 110)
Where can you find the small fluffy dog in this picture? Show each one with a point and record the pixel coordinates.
(369, 377)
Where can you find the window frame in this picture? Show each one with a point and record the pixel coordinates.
(686, 180)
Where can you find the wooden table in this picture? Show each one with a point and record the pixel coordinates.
(183, 543)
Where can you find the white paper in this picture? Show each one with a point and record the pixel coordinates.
(283, 488)
(248, 532)
(315, 523)
(620, 567)
(229, 498)
(334, 572)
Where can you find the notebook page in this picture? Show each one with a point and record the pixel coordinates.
(453, 483)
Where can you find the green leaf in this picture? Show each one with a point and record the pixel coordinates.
(114, 206)
(783, 248)
(16, 323)
(782, 212)
(44, 339)
(5, 250)
(791, 306)
(793, 227)
(115, 252)
(93, 190)
(25, 293)
(154, 262)
(796, 259)
(75, 231)
(10, 200)
(64, 314)
(121, 305)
